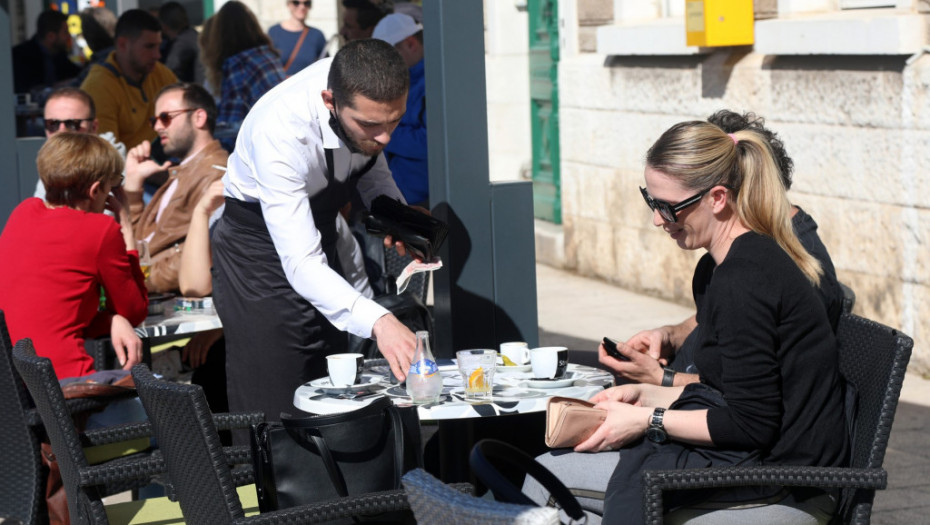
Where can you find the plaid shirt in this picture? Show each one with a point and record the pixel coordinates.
(246, 77)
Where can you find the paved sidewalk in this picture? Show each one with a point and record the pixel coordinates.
(577, 312)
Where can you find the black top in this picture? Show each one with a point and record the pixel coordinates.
(830, 292)
(764, 340)
(34, 67)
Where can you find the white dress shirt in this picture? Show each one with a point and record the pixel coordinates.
(279, 161)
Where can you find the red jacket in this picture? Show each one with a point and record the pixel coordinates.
(53, 263)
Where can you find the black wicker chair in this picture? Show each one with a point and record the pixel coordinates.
(21, 484)
(874, 358)
(187, 436)
(84, 484)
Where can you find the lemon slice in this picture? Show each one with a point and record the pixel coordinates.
(507, 361)
(476, 380)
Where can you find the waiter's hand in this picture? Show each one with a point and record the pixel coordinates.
(396, 343)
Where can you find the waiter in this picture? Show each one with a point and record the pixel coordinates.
(302, 150)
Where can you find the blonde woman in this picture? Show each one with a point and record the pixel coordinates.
(57, 254)
(770, 390)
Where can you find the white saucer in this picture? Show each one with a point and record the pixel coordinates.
(516, 368)
(563, 382)
(327, 387)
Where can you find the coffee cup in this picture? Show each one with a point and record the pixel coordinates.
(549, 362)
(518, 352)
(345, 369)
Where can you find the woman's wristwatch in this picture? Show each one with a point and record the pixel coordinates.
(656, 430)
(668, 377)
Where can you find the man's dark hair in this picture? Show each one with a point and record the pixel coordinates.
(49, 22)
(195, 96)
(73, 92)
(371, 68)
(173, 16)
(369, 12)
(731, 122)
(132, 23)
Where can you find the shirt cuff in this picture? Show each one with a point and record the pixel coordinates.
(365, 313)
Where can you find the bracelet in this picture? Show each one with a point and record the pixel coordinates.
(668, 377)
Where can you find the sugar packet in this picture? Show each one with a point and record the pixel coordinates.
(413, 268)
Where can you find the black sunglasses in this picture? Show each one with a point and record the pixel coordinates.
(165, 117)
(295, 3)
(667, 210)
(71, 124)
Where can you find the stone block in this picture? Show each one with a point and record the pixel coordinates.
(587, 39)
(595, 12)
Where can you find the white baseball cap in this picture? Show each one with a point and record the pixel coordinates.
(395, 27)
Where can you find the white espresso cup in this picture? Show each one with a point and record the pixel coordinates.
(345, 369)
(549, 362)
(518, 352)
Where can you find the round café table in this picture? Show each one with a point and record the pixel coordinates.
(514, 392)
(461, 423)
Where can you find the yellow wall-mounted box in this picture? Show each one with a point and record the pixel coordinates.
(711, 23)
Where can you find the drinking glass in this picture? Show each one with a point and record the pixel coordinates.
(477, 368)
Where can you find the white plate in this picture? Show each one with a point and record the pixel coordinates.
(517, 368)
(566, 381)
(368, 381)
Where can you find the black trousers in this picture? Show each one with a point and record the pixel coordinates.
(275, 339)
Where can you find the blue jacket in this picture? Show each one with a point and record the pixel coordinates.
(406, 152)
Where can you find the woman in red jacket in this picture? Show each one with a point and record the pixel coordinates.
(57, 254)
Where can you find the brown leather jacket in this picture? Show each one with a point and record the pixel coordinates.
(165, 247)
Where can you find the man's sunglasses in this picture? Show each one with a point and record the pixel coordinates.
(71, 124)
(297, 3)
(165, 117)
(667, 210)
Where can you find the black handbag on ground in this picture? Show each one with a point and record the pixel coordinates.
(305, 460)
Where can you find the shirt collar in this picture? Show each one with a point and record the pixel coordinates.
(330, 140)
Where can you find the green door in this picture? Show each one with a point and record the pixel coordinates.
(544, 101)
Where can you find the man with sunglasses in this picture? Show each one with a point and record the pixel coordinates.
(70, 109)
(185, 118)
(303, 150)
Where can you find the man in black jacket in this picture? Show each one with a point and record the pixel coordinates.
(42, 61)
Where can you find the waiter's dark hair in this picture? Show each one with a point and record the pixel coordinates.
(371, 68)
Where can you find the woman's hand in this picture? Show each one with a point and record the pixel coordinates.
(625, 424)
(211, 199)
(640, 395)
(641, 366)
(126, 343)
(629, 394)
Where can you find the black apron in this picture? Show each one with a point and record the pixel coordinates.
(275, 339)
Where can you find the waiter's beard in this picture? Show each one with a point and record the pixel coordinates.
(335, 124)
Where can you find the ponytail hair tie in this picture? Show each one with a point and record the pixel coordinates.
(733, 138)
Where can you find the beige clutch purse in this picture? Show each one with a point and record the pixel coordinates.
(570, 421)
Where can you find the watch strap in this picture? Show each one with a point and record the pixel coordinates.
(668, 377)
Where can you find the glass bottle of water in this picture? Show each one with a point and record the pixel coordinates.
(424, 384)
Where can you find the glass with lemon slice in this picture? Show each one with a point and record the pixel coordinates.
(477, 368)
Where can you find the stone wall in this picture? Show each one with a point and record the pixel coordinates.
(858, 129)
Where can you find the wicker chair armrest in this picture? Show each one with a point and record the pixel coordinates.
(243, 475)
(116, 433)
(781, 475)
(233, 421)
(656, 481)
(88, 404)
(136, 466)
(373, 503)
(238, 455)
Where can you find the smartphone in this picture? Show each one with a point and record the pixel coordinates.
(611, 346)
